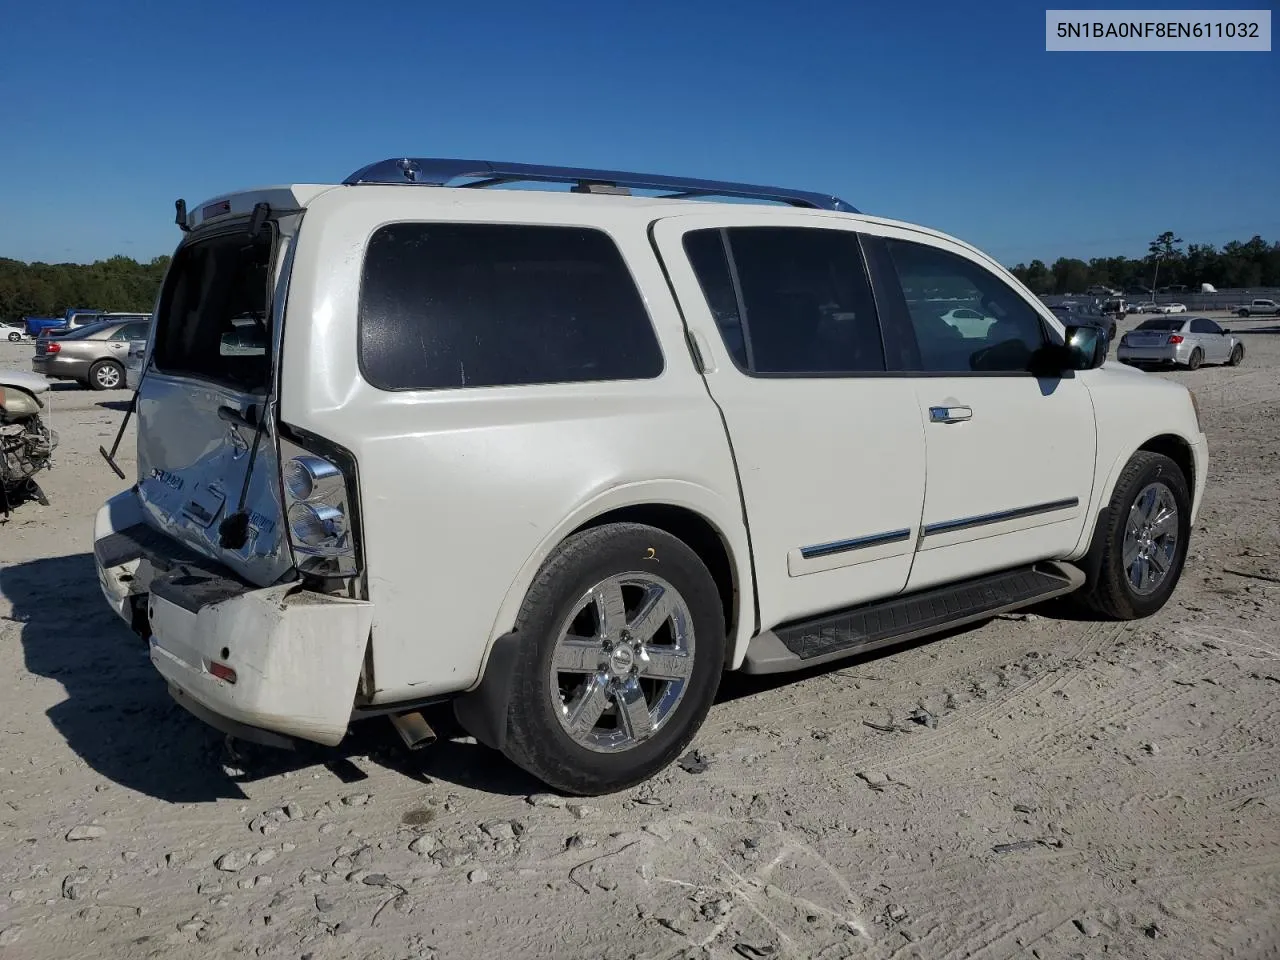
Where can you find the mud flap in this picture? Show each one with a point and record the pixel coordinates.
(483, 711)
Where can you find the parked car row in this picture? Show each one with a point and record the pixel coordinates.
(1150, 307)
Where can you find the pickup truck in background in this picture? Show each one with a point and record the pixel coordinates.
(75, 318)
(1258, 308)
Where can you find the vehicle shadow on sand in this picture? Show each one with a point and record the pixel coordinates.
(119, 718)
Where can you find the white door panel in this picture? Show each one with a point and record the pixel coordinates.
(1019, 470)
(1010, 456)
(832, 473)
(832, 468)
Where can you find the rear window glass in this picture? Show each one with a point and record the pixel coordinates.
(1165, 323)
(85, 332)
(450, 305)
(214, 317)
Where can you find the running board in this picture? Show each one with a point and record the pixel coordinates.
(845, 633)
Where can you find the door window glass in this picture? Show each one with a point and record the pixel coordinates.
(965, 318)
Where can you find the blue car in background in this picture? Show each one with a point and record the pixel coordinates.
(74, 317)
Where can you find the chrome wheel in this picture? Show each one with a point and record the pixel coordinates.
(108, 376)
(622, 661)
(1150, 538)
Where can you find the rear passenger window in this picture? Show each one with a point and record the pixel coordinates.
(450, 305)
(802, 305)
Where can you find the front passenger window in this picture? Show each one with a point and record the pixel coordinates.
(966, 319)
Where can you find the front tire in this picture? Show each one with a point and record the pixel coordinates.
(1145, 531)
(14, 336)
(1196, 358)
(623, 648)
(106, 375)
(1237, 355)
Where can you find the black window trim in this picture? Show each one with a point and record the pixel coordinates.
(744, 322)
(543, 385)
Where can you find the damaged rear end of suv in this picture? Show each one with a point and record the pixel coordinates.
(235, 553)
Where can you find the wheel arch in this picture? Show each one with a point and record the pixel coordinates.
(710, 524)
(1172, 445)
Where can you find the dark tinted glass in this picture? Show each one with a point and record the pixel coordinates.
(446, 305)
(215, 286)
(941, 288)
(807, 299)
(706, 253)
(1203, 325)
(1163, 323)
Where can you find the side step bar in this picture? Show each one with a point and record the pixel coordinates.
(845, 633)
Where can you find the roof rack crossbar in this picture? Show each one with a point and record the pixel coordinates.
(439, 172)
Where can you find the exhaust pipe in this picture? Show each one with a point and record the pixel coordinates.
(413, 729)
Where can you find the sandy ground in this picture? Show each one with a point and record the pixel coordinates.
(1134, 767)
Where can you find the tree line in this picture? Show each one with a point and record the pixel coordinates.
(1253, 263)
(49, 289)
(120, 283)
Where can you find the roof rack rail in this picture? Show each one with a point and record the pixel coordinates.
(438, 172)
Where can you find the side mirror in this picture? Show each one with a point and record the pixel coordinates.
(1086, 348)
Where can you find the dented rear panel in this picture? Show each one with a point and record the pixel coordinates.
(207, 394)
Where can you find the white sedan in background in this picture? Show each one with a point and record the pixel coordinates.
(1172, 308)
(969, 322)
(12, 332)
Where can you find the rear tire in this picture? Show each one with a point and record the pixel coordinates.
(106, 375)
(1145, 530)
(1237, 355)
(607, 715)
(1196, 358)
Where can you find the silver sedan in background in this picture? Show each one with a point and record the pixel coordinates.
(1186, 341)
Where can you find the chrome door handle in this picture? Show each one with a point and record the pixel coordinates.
(950, 414)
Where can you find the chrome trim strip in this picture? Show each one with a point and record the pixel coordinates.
(857, 543)
(949, 526)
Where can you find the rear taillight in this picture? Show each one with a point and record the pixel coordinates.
(52, 347)
(1175, 339)
(318, 512)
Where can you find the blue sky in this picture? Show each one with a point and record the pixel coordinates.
(948, 115)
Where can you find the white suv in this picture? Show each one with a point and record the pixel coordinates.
(565, 457)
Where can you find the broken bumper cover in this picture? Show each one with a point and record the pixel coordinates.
(288, 659)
